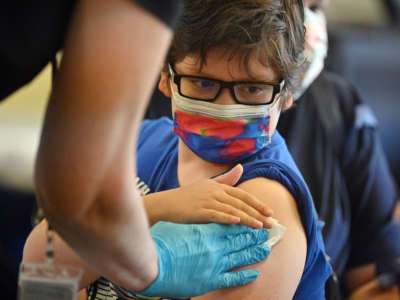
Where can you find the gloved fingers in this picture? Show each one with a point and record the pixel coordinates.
(248, 239)
(231, 231)
(244, 217)
(228, 231)
(245, 257)
(237, 278)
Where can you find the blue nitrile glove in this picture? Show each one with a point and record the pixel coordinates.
(194, 259)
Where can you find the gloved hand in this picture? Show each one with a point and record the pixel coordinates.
(194, 259)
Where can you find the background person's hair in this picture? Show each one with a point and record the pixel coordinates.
(273, 30)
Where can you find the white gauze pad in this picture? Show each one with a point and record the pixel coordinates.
(275, 233)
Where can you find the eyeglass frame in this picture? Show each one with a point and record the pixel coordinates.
(176, 78)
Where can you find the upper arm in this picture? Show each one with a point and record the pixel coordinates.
(281, 272)
(35, 247)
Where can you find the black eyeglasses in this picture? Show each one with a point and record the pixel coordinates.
(243, 92)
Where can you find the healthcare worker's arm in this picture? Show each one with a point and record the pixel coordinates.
(112, 57)
(280, 274)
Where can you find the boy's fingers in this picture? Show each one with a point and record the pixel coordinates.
(243, 207)
(250, 199)
(245, 219)
(213, 216)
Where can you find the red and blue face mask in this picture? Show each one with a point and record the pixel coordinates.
(221, 133)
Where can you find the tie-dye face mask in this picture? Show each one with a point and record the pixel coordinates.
(222, 133)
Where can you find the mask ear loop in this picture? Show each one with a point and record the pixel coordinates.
(275, 103)
(171, 88)
(269, 128)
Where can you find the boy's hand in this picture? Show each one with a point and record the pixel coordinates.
(209, 201)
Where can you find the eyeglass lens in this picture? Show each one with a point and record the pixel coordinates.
(207, 89)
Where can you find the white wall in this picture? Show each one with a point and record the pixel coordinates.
(360, 12)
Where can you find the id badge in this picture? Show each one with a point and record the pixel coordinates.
(44, 281)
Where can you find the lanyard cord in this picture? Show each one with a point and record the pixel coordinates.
(50, 249)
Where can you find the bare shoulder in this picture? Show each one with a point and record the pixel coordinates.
(278, 197)
(281, 272)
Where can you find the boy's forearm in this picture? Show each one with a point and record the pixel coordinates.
(157, 207)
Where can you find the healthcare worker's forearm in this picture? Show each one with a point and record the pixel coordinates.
(86, 162)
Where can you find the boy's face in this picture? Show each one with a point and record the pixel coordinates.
(219, 65)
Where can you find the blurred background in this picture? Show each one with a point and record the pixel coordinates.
(364, 47)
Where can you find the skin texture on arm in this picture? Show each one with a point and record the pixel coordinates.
(282, 271)
(112, 56)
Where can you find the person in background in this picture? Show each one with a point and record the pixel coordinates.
(345, 167)
(112, 54)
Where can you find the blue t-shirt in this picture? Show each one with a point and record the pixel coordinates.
(157, 161)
